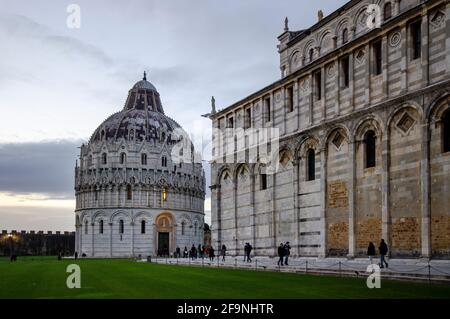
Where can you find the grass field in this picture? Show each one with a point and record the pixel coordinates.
(44, 277)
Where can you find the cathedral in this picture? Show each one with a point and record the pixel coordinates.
(362, 110)
(138, 190)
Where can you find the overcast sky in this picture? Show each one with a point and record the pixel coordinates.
(58, 84)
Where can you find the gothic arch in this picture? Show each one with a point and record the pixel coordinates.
(221, 173)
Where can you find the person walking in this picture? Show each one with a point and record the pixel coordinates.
(371, 252)
(280, 254)
(211, 254)
(383, 248)
(224, 252)
(185, 252)
(249, 250)
(193, 252)
(287, 252)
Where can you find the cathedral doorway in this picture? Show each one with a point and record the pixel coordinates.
(163, 244)
(164, 234)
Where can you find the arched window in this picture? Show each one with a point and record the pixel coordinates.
(164, 161)
(311, 167)
(387, 11)
(183, 228)
(104, 159)
(344, 36)
(86, 227)
(144, 159)
(311, 54)
(370, 146)
(143, 227)
(121, 226)
(446, 131)
(100, 226)
(129, 192)
(195, 229)
(123, 158)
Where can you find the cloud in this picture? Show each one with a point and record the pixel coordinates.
(39, 167)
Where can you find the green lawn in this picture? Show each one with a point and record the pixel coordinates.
(44, 277)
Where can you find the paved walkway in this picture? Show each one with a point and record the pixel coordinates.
(438, 270)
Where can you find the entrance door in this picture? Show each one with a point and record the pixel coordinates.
(163, 243)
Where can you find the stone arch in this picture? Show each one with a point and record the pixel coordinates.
(371, 121)
(165, 223)
(118, 215)
(222, 171)
(438, 107)
(409, 104)
(295, 60)
(285, 156)
(341, 25)
(241, 169)
(359, 19)
(330, 133)
(325, 41)
(309, 142)
(142, 215)
(98, 214)
(310, 44)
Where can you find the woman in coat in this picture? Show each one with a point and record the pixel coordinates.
(371, 252)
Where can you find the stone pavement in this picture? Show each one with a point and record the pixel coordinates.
(414, 269)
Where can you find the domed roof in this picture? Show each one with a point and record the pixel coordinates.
(142, 118)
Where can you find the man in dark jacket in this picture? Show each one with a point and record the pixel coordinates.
(249, 250)
(280, 254)
(287, 252)
(383, 252)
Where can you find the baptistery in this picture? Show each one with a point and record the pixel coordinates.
(139, 188)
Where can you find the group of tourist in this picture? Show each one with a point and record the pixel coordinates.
(200, 252)
(284, 250)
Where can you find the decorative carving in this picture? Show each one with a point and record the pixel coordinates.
(360, 57)
(304, 85)
(331, 70)
(395, 39)
(337, 140)
(278, 96)
(437, 19)
(406, 123)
